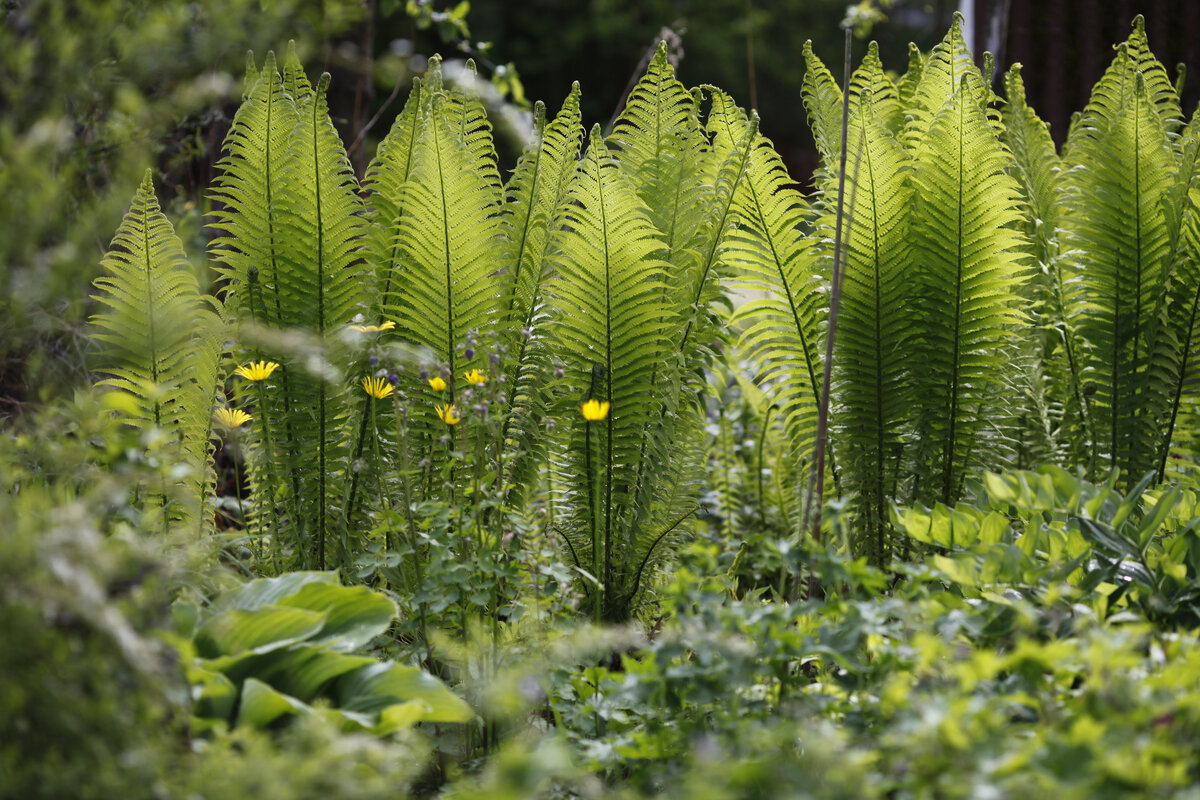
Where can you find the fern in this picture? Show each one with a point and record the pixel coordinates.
(968, 249)
(1180, 318)
(612, 328)
(1118, 238)
(871, 388)
(451, 241)
(160, 343)
(1052, 393)
(533, 194)
(779, 332)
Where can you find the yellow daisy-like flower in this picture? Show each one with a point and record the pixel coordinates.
(383, 326)
(594, 410)
(475, 377)
(257, 370)
(437, 384)
(231, 417)
(448, 414)
(378, 388)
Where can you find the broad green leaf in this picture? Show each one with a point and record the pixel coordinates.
(269, 591)
(354, 614)
(262, 630)
(373, 688)
(262, 705)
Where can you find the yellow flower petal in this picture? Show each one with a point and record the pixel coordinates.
(383, 326)
(448, 414)
(231, 417)
(437, 384)
(257, 370)
(475, 377)
(378, 388)
(594, 410)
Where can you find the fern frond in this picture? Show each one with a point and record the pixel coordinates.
(779, 332)
(885, 99)
(320, 288)
(906, 86)
(612, 328)
(968, 249)
(659, 143)
(157, 343)
(1178, 318)
(1050, 382)
(451, 243)
(384, 181)
(533, 194)
(871, 392)
(942, 73)
(248, 251)
(1118, 244)
(823, 101)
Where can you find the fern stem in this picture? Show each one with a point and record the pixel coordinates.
(835, 296)
(949, 451)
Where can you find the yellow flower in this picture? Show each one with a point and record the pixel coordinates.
(257, 370)
(378, 388)
(383, 326)
(475, 377)
(231, 417)
(448, 414)
(437, 384)
(594, 410)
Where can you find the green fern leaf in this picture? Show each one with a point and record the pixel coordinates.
(248, 252)
(780, 330)
(871, 363)
(159, 343)
(942, 73)
(1119, 241)
(823, 102)
(533, 194)
(451, 243)
(385, 177)
(612, 329)
(968, 251)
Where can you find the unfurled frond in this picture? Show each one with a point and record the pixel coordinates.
(384, 182)
(451, 243)
(1179, 451)
(320, 288)
(1118, 244)
(779, 332)
(533, 195)
(725, 123)
(249, 251)
(710, 267)
(321, 276)
(871, 394)
(967, 250)
(942, 73)
(659, 143)
(885, 99)
(612, 328)
(295, 82)
(159, 342)
(823, 101)
(1051, 389)
(1160, 91)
